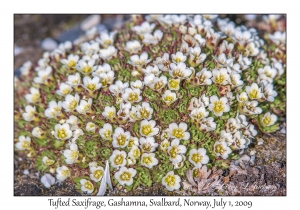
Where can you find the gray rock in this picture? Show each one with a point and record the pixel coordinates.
(18, 50)
(49, 44)
(71, 34)
(90, 21)
(47, 180)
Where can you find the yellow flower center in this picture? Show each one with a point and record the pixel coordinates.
(170, 180)
(218, 107)
(86, 108)
(220, 149)
(130, 143)
(147, 160)
(73, 104)
(133, 97)
(86, 69)
(126, 176)
(198, 115)
(201, 78)
(49, 162)
(178, 73)
(91, 86)
(169, 99)
(65, 173)
(197, 158)
(107, 42)
(146, 147)
(74, 154)
(61, 133)
(118, 159)
(121, 139)
(158, 85)
(253, 94)
(174, 83)
(136, 153)
(66, 91)
(71, 63)
(267, 120)
(35, 97)
(98, 174)
(220, 78)
(88, 185)
(104, 81)
(107, 134)
(178, 133)
(146, 130)
(144, 113)
(164, 144)
(25, 144)
(111, 114)
(173, 152)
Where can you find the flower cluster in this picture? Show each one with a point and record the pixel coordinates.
(168, 94)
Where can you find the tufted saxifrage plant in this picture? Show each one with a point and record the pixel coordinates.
(159, 97)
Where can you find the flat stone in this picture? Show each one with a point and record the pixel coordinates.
(71, 34)
(90, 21)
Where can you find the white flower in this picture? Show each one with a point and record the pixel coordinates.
(37, 132)
(267, 73)
(120, 138)
(132, 141)
(227, 137)
(178, 57)
(25, 68)
(43, 75)
(204, 100)
(163, 62)
(199, 113)
(200, 40)
(144, 28)
(70, 102)
(104, 68)
(175, 150)
(235, 80)
(109, 112)
(125, 176)
(220, 77)
(71, 154)
(149, 160)
(124, 111)
(250, 107)
(242, 97)
(76, 133)
(47, 180)
(33, 96)
(242, 120)
(133, 46)
(86, 186)
(278, 66)
(71, 61)
(242, 37)
(232, 125)
(138, 84)
(244, 62)
(171, 181)
(184, 48)
(107, 78)
(179, 71)
(54, 109)
(208, 124)
(132, 95)
(23, 143)
(47, 161)
(147, 128)
(106, 39)
(91, 84)
(179, 131)
(221, 149)
(96, 173)
(250, 131)
(63, 173)
(164, 145)
(145, 111)
(203, 77)
(169, 97)
(134, 153)
(151, 70)
(177, 19)
(63, 131)
(107, 54)
(85, 67)
(174, 84)
(74, 80)
(148, 144)
(106, 131)
(118, 158)
(140, 61)
(28, 115)
(84, 106)
(148, 80)
(64, 89)
(268, 119)
(153, 39)
(73, 121)
(239, 141)
(90, 48)
(251, 49)
(158, 83)
(90, 127)
(198, 157)
(118, 87)
(269, 92)
(218, 106)
(196, 56)
(278, 37)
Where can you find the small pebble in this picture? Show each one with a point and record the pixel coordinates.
(20, 159)
(26, 172)
(90, 21)
(49, 44)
